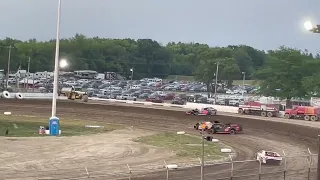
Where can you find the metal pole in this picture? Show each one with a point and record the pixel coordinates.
(131, 77)
(244, 78)
(33, 82)
(56, 64)
(202, 156)
(27, 87)
(318, 166)
(215, 86)
(166, 165)
(9, 59)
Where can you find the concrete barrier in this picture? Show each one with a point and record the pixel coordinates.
(228, 109)
(187, 106)
(34, 96)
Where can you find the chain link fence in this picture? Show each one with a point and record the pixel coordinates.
(302, 167)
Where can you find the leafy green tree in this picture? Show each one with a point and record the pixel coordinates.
(284, 74)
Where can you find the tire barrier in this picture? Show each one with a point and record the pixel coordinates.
(6, 94)
(181, 132)
(85, 98)
(172, 166)
(7, 113)
(215, 140)
(226, 150)
(19, 96)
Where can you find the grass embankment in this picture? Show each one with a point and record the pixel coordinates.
(184, 145)
(191, 78)
(29, 126)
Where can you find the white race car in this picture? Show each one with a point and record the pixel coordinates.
(267, 157)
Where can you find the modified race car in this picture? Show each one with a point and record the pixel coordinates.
(219, 128)
(268, 157)
(207, 111)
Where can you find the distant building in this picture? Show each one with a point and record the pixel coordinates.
(86, 74)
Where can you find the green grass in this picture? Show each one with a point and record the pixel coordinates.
(29, 127)
(191, 78)
(250, 82)
(180, 78)
(183, 145)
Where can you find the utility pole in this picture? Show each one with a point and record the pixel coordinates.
(216, 84)
(244, 78)
(27, 84)
(202, 155)
(318, 166)
(8, 70)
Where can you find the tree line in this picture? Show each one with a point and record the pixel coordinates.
(285, 72)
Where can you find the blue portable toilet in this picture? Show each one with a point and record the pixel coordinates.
(54, 126)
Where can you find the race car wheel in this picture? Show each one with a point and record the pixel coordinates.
(232, 132)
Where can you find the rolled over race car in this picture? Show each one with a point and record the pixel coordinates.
(218, 128)
(207, 111)
(268, 157)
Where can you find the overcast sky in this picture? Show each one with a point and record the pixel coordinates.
(263, 24)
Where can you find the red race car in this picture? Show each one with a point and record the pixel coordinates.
(208, 111)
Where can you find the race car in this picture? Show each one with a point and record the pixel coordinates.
(229, 128)
(204, 125)
(207, 111)
(268, 157)
(218, 128)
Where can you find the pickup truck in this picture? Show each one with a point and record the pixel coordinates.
(126, 97)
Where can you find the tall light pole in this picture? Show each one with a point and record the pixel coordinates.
(56, 64)
(244, 78)
(9, 59)
(216, 84)
(28, 72)
(131, 73)
(54, 122)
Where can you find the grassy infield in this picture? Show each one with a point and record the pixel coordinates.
(182, 145)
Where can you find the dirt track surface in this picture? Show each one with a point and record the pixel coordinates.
(258, 135)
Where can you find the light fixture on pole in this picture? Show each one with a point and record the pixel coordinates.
(54, 124)
(63, 63)
(310, 27)
(131, 73)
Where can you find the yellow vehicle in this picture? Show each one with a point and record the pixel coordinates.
(73, 94)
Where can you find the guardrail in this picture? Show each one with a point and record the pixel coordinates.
(188, 105)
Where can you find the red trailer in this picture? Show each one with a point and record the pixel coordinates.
(257, 108)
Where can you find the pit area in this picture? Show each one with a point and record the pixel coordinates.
(71, 158)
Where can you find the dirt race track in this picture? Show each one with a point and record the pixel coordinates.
(294, 140)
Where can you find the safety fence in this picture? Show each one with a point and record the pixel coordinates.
(298, 167)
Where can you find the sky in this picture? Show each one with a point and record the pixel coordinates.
(263, 24)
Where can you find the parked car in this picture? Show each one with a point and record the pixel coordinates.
(127, 97)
